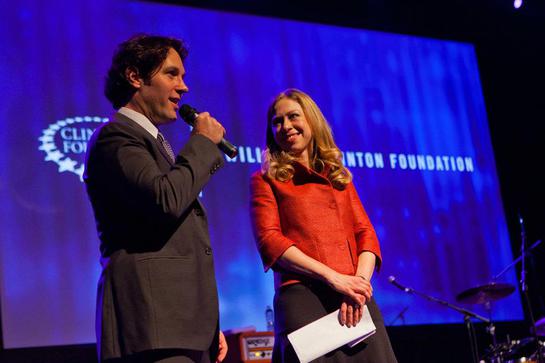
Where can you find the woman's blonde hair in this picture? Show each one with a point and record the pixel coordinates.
(322, 150)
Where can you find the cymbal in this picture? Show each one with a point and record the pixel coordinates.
(485, 293)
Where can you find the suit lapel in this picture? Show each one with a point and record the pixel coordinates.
(164, 152)
(122, 118)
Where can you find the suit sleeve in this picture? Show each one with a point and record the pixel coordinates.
(271, 243)
(125, 161)
(366, 238)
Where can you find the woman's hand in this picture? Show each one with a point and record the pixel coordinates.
(357, 288)
(350, 313)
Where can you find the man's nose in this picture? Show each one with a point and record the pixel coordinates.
(181, 87)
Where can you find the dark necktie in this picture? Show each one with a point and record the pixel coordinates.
(166, 146)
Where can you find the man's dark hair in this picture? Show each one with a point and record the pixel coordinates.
(143, 53)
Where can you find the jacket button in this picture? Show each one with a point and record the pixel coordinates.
(208, 250)
(333, 205)
(198, 212)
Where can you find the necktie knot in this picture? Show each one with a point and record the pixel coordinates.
(166, 146)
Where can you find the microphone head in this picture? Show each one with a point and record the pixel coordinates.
(391, 279)
(188, 113)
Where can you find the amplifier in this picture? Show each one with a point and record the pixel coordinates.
(249, 346)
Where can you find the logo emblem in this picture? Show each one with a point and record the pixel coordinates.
(65, 142)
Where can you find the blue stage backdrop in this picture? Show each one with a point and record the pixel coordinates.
(407, 111)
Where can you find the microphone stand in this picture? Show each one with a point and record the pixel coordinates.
(400, 315)
(508, 267)
(524, 252)
(524, 288)
(466, 313)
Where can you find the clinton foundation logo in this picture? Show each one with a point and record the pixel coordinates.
(65, 142)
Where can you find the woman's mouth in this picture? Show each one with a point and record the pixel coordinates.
(292, 137)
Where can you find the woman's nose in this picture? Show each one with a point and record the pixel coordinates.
(286, 123)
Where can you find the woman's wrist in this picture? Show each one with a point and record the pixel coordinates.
(364, 276)
(329, 276)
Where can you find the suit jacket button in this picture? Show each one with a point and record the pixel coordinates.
(208, 250)
(198, 212)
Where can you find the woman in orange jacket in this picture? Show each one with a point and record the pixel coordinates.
(313, 231)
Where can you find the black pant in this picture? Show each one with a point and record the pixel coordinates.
(300, 304)
(165, 356)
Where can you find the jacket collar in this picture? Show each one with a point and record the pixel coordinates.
(119, 117)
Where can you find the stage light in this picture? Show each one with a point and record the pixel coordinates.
(517, 4)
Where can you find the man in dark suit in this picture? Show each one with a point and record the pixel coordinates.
(157, 297)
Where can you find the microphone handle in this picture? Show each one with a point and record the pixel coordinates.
(225, 146)
(228, 148)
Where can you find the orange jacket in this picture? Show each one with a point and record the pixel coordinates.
(326, 224)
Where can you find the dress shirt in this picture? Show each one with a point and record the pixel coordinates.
(140, 119)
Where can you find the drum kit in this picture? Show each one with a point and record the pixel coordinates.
(531, 349)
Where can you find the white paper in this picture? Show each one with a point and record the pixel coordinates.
(326, 334)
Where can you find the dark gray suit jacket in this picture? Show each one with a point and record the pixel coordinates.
(157, 288)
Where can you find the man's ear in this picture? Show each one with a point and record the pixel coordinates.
(131, 74)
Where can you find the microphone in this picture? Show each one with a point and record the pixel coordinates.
(189, 115)
(393, 281)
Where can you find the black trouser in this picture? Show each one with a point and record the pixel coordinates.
(300, 304)
(165, 356)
